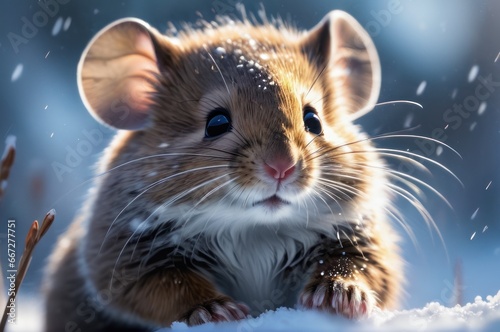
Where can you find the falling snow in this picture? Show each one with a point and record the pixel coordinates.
(473, 73)
(408, 120)
(489, 184)
(67, 24)
(473, 234)
(454, 93)
(474, 214)
(421, 88)
(482, 108)
(57, 26)
(96, 11)
(473, 126)
(439, 150)
(18, 71)
(51, 135)
(485, 228)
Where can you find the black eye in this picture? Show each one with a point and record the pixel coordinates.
(218, 123)
(312, 122)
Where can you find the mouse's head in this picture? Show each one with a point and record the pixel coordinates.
(257, 119)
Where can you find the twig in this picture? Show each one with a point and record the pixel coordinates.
(7, 161)
(34, 235)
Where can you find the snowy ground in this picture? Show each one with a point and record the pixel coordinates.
(481, 315)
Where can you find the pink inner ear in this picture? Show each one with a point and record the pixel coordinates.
(137, 81)
(117, 72)
(141, 73)
(144, 46)
(127, 99)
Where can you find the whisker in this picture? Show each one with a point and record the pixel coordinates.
(393, 214)
(220, 72)
(415, 202)
(420, 137)
(167, 203)
(399, 102)
(150, 186)
(212, 191)
(393, 136)
(316, 79)
(130, 162)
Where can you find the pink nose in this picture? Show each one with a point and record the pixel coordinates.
(279, 168)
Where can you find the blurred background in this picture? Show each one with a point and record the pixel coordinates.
(443, 55)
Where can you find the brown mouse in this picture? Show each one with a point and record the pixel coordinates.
(237, 183)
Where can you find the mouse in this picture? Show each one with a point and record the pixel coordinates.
(237, 182)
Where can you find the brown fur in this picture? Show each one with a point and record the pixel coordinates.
(131, 77)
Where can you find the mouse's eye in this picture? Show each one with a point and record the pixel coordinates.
(218, 123)
(312, 122)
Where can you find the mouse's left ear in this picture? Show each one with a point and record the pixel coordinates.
(340, 46)
(118, 70)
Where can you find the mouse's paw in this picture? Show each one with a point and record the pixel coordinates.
(221, 309)
(347, 298)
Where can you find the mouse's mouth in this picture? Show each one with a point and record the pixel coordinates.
(272, 202)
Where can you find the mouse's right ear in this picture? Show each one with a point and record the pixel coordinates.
(348, 61)
(117, 71)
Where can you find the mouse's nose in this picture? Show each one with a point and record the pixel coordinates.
(280, 168)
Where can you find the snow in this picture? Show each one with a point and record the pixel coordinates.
(408, 121)
(439, 150)
(67, 24)
(17, 72)
(421, 88)
(482, 108)
(480, 315)
(10, 142)
(57, 26)
(473, 73)
(474, 214)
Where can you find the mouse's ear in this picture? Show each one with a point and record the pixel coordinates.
(117, 71)
(340, 46)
